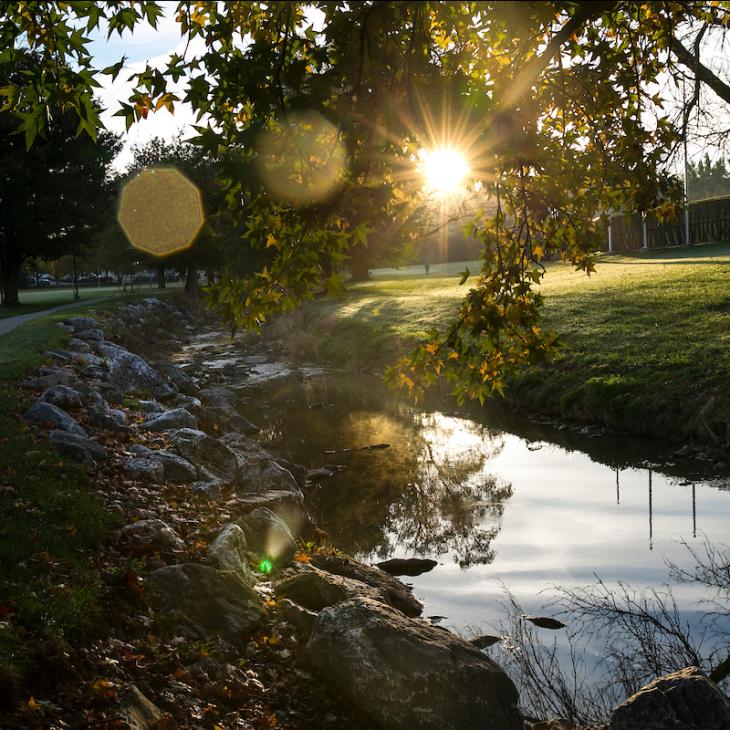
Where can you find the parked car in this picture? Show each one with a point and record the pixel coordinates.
(45, 280)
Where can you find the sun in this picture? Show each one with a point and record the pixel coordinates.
(444, 169)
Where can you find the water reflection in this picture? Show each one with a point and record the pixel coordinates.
(430, 493)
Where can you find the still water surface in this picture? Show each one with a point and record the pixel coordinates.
(498, 503)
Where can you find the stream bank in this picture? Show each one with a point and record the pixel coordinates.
(223, 615)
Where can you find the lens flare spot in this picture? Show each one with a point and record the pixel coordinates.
(266, 566)
(444, 169)
(301, 159)
(161, 211)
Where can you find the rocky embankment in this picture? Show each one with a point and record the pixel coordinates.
(232, 611)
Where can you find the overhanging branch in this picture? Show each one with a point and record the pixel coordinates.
(702, 72)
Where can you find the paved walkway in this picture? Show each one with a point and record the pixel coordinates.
(8, 324)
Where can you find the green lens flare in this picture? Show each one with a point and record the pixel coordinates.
(266, 566)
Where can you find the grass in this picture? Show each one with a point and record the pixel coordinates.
(646, 338)
(35, 300)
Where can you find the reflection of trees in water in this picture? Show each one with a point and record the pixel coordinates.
(427, 494)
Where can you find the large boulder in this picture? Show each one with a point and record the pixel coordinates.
(396, 593)
(79, 324)
(175, 468)
(149, 470)
(206, 452)
(251, 451)
(132, 374)
(683, 700)
(406, 674)
(43, 413)
(316, 589)
(219, 403)
(169, 420)
(205, 601)
(262, 476)
(78, 447)
(185, 384)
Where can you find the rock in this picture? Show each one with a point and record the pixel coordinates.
(48, 377)
(77, 345)
(79, 324)
(132, 374)
(316, 589)
(149, 406)
(176, 469)
(150, 470)
(136, 712)
(300, 618)
(483, 641)
(169, 420)
(545, 622)
(683, 700)
(62, 396)
(185, 384)
(189, 402)
(219, 403)
(101, 415)
(406, 674)
(91, 335)
(206, 451)
(251, 451)
(262, 476)
(397, 593)
(92, 372)
(319, 474)
(686, 450)
(268, 535)
(228, 552)
(407, 566)
(151, 536)
(206, 601)
(78, 447)
(43, 413)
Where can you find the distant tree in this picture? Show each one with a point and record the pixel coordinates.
(708, 179)
(53, 196)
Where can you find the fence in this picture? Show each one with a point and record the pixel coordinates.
(709, 222)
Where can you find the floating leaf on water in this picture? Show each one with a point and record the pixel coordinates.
(407, 566)
(482, 642)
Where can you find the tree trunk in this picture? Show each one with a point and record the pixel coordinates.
(161, 280)
(360, 263)
(191, 282)
(10, 275)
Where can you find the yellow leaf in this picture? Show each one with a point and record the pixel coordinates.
(32, 704)
(432, 347)
(271, 240)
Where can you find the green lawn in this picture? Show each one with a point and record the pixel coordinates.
(33, 300)
(647, 337)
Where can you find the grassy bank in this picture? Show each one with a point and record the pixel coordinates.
(646, 338)
(51, 527)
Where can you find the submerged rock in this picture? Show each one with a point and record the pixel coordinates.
(205, 601)
(406, 674)
(683, 700)
(407, 566)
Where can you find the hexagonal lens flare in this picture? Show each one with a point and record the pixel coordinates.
(161, 211)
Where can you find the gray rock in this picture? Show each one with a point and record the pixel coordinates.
(189, 402)
(79, 324)
(92, 372)
(136, 712)
(406, 674)
(60, 355)
(220, 403)
(132, 374)
(228, 552)
(302, 619)
(407, 566)
(77, 345)
(150, 470)
(91, 335)
(683, 700)
(150, 406)
(251, 451)
(206, 452)
(46, 413)
(205, 601)
(176, 469)
(48, 377)
(316, 589)
(62, 396)
(88, 358)
(397, 594)
(267, 534)
(169, 420)
(263, 476)
(78, 447)
(151, 536)
(101, 415)
(182, 380)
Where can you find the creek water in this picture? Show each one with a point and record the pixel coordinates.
(500, 503)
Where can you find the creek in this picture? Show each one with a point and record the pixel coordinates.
(500, 502)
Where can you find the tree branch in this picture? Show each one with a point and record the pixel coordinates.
(702, 72)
